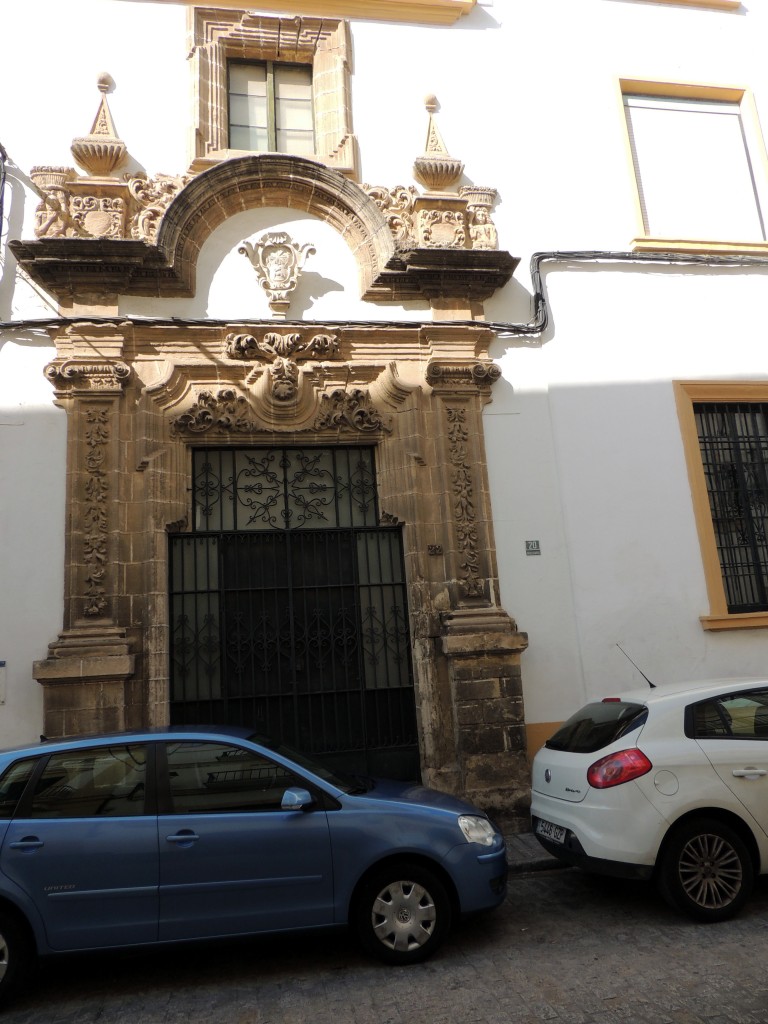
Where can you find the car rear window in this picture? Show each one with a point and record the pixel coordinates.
(597, 725)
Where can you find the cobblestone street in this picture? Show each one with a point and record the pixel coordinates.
(565, 947)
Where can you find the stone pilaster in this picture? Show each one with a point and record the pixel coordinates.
(480, 642)
(89, 667)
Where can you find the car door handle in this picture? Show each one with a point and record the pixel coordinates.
(749, 773)
(183, 838)
(27, 843)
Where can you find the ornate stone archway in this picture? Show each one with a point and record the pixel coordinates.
(251, 182)
(140, 393)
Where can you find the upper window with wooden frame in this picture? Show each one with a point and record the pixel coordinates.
(267, 84)
(700, 167)
(725, 435)
(270, 107)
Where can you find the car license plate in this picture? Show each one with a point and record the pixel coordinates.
(554, 832)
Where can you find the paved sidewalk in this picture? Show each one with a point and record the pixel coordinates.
(525, 853)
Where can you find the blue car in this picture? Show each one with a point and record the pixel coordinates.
(190, 833)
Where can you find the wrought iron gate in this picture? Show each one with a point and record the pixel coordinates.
(288, 607)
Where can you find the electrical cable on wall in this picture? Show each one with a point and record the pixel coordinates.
(533, 328)
(3, 161)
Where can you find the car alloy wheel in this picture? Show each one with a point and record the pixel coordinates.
(402, 914)
(706, 871)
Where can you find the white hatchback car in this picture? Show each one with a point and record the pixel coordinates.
(668, 783)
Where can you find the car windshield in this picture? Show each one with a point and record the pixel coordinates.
(596, 725)
(341, 780)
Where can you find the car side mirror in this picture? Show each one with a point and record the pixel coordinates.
(295, 799)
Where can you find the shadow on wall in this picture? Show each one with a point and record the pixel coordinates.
(13, 199)
(18, 191)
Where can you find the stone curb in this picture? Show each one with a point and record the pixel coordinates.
(525, 853)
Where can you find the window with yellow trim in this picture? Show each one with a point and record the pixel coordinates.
(720, 5)
(725, 431)
(699, 166)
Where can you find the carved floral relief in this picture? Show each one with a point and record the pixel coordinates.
(397, 205)
(228, 411)
(470, 582)
(152, 197)
(95, 519)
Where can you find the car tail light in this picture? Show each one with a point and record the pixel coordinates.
(614, 769)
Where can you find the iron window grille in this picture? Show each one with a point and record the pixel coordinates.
(289, 606)
(733, 439)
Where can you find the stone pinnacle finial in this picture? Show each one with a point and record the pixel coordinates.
(436, 169)
(102, 151)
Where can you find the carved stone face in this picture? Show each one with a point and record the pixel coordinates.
(278, 261)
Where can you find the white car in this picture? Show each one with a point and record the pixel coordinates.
(669, 783)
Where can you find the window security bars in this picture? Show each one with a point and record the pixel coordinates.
(289, 609)
(733, 438)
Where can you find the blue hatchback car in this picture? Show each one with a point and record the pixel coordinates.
(191, 833)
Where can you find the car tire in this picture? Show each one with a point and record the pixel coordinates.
(402, 913)
(706, 870)
(17, 957)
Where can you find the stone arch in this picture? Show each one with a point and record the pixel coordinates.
(251, 182)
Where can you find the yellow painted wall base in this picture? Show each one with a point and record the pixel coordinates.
(537, 734)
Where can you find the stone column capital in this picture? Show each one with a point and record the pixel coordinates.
(87, 378)
(454, 377)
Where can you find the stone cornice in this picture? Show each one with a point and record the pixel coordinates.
(68, 266)
(443, 273)
(436, 12)
(71, 266)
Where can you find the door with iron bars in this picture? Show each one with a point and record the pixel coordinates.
(289, 609)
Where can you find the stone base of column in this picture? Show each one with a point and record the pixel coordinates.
(483, 648)
(87, 681)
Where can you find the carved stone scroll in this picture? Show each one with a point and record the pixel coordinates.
(230, 412)
(285, 346)
(226, 410)
(397, 205)
(462, 375)
(350, 410)
(78, 376)
(152, 196)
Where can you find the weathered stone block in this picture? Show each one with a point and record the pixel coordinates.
(477, 689)
(486, 740)
(470, 712)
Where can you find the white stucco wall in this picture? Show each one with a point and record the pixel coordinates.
(32, 463)
(583, 439)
